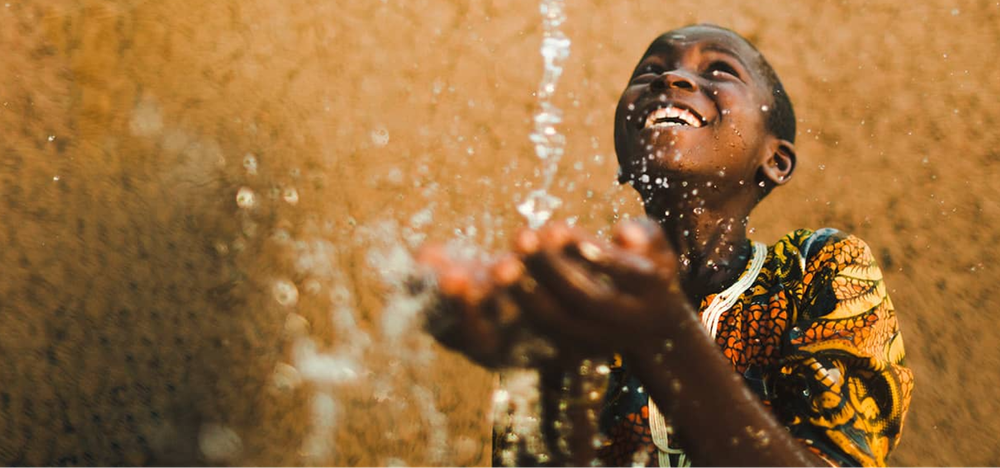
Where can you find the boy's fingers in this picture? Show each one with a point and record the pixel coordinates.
(506, 271)
(641, 236)
(526, 242)
(572, 284)
(455, 281)
(505, 309)
(469, 283)
(627, 269)
(556, 235)
(645, 238)
(631, 236)
(542, 310)
(434, 256)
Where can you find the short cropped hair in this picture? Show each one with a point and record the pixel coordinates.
(781, 121)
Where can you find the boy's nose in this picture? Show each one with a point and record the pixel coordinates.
(674, 80)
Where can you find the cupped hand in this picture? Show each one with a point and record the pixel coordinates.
(472, 311)
(586, 293)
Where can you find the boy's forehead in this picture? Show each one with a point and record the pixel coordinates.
(704, 36)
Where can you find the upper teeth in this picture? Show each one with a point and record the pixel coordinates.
(657, 117)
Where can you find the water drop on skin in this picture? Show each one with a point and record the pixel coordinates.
(764, 108)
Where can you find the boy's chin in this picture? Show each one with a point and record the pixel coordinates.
(669, 159)
(671, 141)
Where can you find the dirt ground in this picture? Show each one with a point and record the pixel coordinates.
(151, 312)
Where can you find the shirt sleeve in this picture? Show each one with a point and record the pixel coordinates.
(842, 387)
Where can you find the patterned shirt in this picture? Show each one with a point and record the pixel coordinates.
(816, 338)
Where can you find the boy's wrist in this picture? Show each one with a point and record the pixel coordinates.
(664, 341)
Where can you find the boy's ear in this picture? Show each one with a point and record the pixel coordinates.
(778, 167)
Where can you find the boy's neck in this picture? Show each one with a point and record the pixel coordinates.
(711, 243)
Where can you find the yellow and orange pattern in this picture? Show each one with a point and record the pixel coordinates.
(816, 337)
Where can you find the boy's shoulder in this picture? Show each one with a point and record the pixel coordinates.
(823, 246)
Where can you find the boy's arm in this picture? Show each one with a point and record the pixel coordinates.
(719, 421)
(628, 298)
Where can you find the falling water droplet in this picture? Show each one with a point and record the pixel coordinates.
(219, 443)
(290, 195)
(250, 164)
(286, 377)
(538, 208)
(296, 324)
(245, 198)
(380, 136)
(285, 293)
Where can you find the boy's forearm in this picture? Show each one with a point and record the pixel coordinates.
(718, 420)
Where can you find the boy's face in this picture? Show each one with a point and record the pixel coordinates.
(694, 111)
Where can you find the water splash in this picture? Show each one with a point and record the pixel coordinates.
(549, 144)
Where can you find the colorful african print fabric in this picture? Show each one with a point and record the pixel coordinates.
(816, 338)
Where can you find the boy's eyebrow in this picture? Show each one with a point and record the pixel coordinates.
(725, 50)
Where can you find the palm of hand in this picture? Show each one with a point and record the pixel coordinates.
(586, 296)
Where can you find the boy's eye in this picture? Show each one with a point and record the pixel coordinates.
(722, 67)
(644, 76)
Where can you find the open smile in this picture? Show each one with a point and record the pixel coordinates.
(672, 115)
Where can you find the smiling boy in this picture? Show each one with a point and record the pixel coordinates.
(810, 369)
